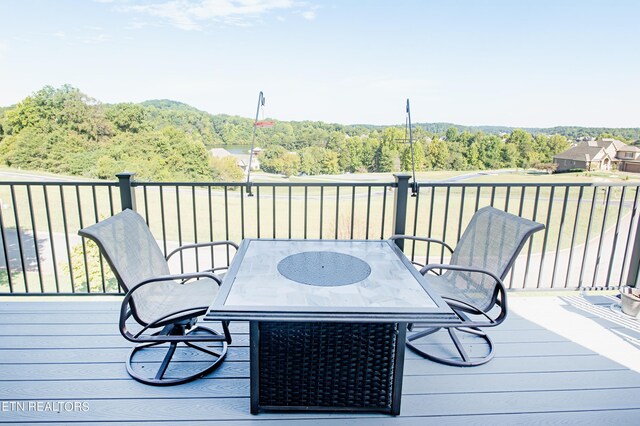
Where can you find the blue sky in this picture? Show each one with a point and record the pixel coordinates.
(517, 63)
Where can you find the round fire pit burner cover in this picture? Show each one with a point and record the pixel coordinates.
(324, 268)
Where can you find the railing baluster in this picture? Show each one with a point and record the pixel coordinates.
(337, 212)
(462, 197)
(520, 209)
(162, 221)
(47, 210)
(546, 235)
(210, 204)
(586, 242)
(560, 233)
(433, 195)
(535, 215)
(35, 238)
(615, 237)
(5, 251)
(66, 238)
(415, 224)
(241, 210)
(19, 239)
(96, 219)
(111, 200)
(602, 232)
(628, 243)
(321, 208)
(195, 225)
(273, 205)
(366, 232)
(84, 246)
(573, 235)
(258, 210)
(179, 227)
(446, 217)
(506, 199)
(146, 204)
(226, 221)
(384, 209)
(353, 209)
(290, 218)
(305, 211)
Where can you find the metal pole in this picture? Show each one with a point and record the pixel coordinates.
(253, 142)
(127, 194)
(414, 184)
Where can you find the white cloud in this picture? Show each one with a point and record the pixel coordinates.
(192, 14)
(309, 15)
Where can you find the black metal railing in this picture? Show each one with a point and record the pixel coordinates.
(590, 241)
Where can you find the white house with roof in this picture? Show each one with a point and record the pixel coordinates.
(241, 159)
(603, 154)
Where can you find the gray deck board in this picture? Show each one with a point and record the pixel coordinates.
(65, 351)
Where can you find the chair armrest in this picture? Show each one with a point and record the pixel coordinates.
(125, 313)
(424, 239)
(198, 245)
(500, 288)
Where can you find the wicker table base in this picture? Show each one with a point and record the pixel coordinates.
(326, 366)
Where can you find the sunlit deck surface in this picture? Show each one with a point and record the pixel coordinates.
(560, 360)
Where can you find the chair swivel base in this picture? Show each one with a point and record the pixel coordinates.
(217, 355)
(464, 359)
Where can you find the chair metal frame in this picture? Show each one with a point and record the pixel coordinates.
(463, 309)
(175, 327)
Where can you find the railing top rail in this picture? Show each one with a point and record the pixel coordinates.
(54, 183)
(268, 184)
(423, 184)
(528, 184)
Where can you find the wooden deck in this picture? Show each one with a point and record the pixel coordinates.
(71, 351)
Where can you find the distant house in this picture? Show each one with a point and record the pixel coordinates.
(241, 159)
(603, 154)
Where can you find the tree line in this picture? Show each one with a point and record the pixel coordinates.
(389, 151)
(62, 130)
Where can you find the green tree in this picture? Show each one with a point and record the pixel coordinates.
(452, 134)
(473, 157)
(225, 169)
(290, 164)
(437, 154)
(523, 141)
(330, 163)
(271, 159)
(311, 160)
(128, 117)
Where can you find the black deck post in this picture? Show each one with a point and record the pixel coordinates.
(400, 206)
(127, 194)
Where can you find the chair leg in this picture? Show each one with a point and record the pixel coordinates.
(214, 358)
(464, 359)
(166, 361)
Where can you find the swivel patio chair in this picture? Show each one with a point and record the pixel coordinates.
(165, 306)
(471, 284)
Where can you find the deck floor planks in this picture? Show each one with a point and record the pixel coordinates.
(536, 377)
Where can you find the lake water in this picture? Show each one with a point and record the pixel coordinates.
(235, 149)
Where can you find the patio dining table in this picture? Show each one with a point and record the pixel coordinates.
(328, 321)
